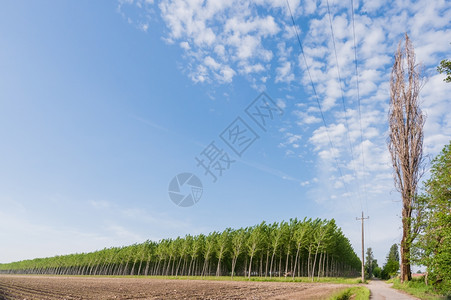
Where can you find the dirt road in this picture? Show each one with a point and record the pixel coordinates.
(57, 287)
(383, 291)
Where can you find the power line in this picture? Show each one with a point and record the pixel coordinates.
(319, 104)
(358, 101)
(344, 106)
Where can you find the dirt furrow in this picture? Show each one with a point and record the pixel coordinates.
(99, 288)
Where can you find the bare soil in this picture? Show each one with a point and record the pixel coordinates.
(59, 287)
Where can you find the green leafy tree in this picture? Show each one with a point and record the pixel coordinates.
(434, 244)
(210, 242)
(394, 253)
(254, 243)
(238, 239)
(300, 234)
(369, 263)
(275, 238)
(377, 271)
(391, 267)
(445, 67)
(302, 247)
(222, 248)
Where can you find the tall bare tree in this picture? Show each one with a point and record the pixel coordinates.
(405, 141)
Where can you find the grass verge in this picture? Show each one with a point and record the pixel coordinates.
(355, 293)
(417, 288)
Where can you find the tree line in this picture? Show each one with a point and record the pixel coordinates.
(297, 248)
(390, 268)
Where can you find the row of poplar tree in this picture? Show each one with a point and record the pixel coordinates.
(307, 248)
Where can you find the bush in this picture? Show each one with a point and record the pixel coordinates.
(418, 287)
(384, 274)
(377, 272)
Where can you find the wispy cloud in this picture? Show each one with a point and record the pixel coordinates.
(222, 40)
(151, 124)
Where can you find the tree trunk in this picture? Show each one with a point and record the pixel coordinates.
(272, 259)
(178, 266)
(250, 267)
(139, 267)
(218, 269)
(319, 264)
(233, 265)
(405, 247)
(314, 261)
(405, 142)
(132, 272)
(286, 262)
(266, 265)
(190, 265)
(296, 259)
(280, 263)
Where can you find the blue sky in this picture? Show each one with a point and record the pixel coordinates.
(103, 103)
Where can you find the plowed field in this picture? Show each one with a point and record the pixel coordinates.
(59, 287)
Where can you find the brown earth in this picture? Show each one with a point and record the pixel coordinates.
(59, 287)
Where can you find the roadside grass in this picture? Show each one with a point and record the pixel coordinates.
(417, 288)
(355, 293)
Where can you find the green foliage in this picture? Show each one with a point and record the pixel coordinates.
(377, 272)
(370, 264)
(297, 249)
(355, 293)
(394, 253)
(391, 266)
(418, 288)
(433, 248)
(445, 67)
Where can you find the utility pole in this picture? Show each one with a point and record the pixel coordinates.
(363, 248)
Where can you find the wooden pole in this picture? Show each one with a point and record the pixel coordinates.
(363, 248)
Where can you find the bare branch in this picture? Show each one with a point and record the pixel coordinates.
(405, 141)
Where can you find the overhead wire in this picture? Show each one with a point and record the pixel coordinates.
(344, 105)
(333, 149)
(358, 101)
(359, 110)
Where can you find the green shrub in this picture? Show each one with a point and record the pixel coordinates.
(418, 288)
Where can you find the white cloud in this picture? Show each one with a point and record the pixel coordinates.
(230, 32)
(223, 40)
(284, 73)
(305, 118)
(281, 104)
(291, 140)
(185, 45)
